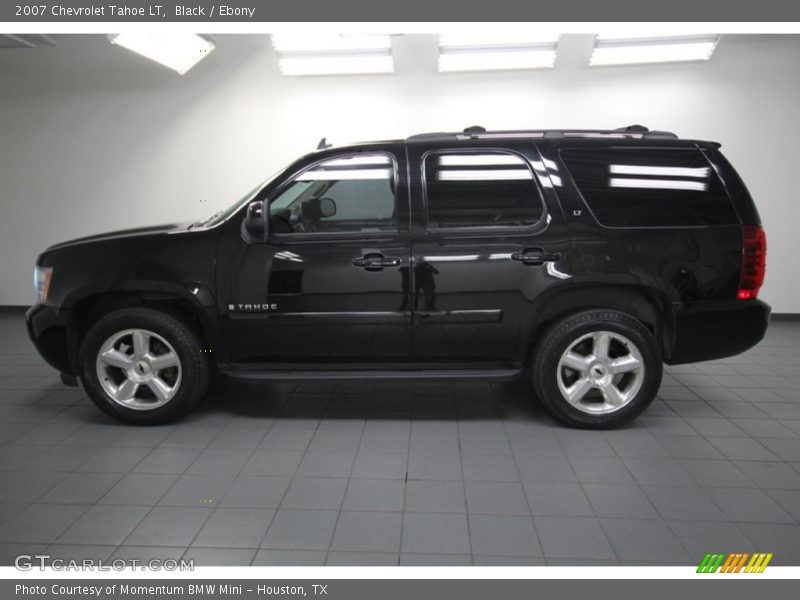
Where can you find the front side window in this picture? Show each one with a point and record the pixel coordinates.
(353, 194)
(480, 189)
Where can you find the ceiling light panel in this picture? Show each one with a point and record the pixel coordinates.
(653, 50)
(472, 51)
(333, 54)
(178, 51)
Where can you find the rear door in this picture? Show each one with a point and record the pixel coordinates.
(488, 241)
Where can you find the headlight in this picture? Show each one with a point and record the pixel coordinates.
(41, 282)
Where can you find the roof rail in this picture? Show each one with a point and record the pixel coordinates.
(477, 133)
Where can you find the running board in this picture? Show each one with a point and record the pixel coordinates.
(416, 375)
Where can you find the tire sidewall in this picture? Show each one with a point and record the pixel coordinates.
(194, 373)
(564, 335)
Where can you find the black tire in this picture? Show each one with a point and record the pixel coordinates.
(560, 336)
(195, 370)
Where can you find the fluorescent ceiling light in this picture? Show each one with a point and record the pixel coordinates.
(493, 39)
(660, 184)
(465, 160)
(489, 175)
(288, 43)
(483, 52)
(178, 51)
(333, 54)
(699, 172)
(652, 50)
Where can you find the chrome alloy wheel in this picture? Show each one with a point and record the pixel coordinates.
(600, 372)
(138, 369)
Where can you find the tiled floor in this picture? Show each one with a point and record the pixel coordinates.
(394, 473)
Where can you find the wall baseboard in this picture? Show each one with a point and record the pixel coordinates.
(785, 317)
(13, 308)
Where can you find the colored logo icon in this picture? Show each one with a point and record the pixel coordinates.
(736, 562)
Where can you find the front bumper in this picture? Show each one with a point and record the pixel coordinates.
(717, 330)
(47, 328)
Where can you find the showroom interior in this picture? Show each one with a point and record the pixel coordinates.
(95, 138)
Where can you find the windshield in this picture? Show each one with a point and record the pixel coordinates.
(220, 216)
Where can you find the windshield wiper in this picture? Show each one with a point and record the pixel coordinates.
(207, 220)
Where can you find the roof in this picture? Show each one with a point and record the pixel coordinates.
(479, 133)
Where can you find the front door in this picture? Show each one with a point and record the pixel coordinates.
(488, 241)
(330, 287)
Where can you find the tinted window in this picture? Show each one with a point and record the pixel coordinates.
(351, 194)
(649, 187)
(480, 190)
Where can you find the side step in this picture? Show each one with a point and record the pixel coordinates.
(414, 375)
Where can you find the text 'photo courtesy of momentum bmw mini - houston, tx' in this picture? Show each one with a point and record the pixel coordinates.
(582, 260)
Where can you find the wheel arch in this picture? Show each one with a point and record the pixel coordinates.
(647, 306)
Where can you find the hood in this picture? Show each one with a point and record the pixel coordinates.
(122, 234)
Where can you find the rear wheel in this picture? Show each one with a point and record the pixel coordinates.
(143, 366)
(597, 369)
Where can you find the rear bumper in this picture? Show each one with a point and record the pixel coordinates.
(47, 328)
(717, 330)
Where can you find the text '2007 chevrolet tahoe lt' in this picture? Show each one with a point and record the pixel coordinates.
(586, 258)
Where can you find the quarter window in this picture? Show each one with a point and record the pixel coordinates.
(349, 194)
(650, 187)
(485, 189)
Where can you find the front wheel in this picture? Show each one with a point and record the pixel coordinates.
(143, 366)
(597, 369)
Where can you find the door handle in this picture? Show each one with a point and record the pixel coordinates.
(535, 257)
(375, 261)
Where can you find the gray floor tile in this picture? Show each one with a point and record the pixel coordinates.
(748, 505)
(782, 540)
(326, 464)
(503, 535)
(172, 526)
(489, 467)
(255, 492)
(496, 498)
(220, 557)
(286, 439)
(573, 538)
(315, 493)
(235, 528)
(658, 471)
(273, 463)
(220, 461)
(362, 559)
(104, 525)
(81, 488)
(187, 436)
(774, 475)
(380, 465)
(265, 557)
(643, 540)
(435, 533)
(683, 503)
(168, 460)
(197, 490)
(786, 449)
(140, 488)
(375, 494)
(368, 531)
(40, 523)
(557, 500)
(438, 560)
(590, 469)
(619, 501)
(435, 496)
(699, 537)
(789, 500)
(114, 460)
(301, 530)
(546, 469)
(434, 466)
(742, 448)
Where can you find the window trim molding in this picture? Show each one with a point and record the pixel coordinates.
(322, 236)
(510, 230)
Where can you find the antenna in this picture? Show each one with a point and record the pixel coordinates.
(323, 144)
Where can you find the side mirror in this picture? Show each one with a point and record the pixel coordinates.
(254, 224)
(327, 207)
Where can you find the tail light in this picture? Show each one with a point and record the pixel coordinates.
(754, 261)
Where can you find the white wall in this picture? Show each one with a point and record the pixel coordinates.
(94, 138)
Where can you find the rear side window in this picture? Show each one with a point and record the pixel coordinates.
(480, 189)
(650, 187)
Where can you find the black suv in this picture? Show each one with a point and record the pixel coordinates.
(590, 257)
